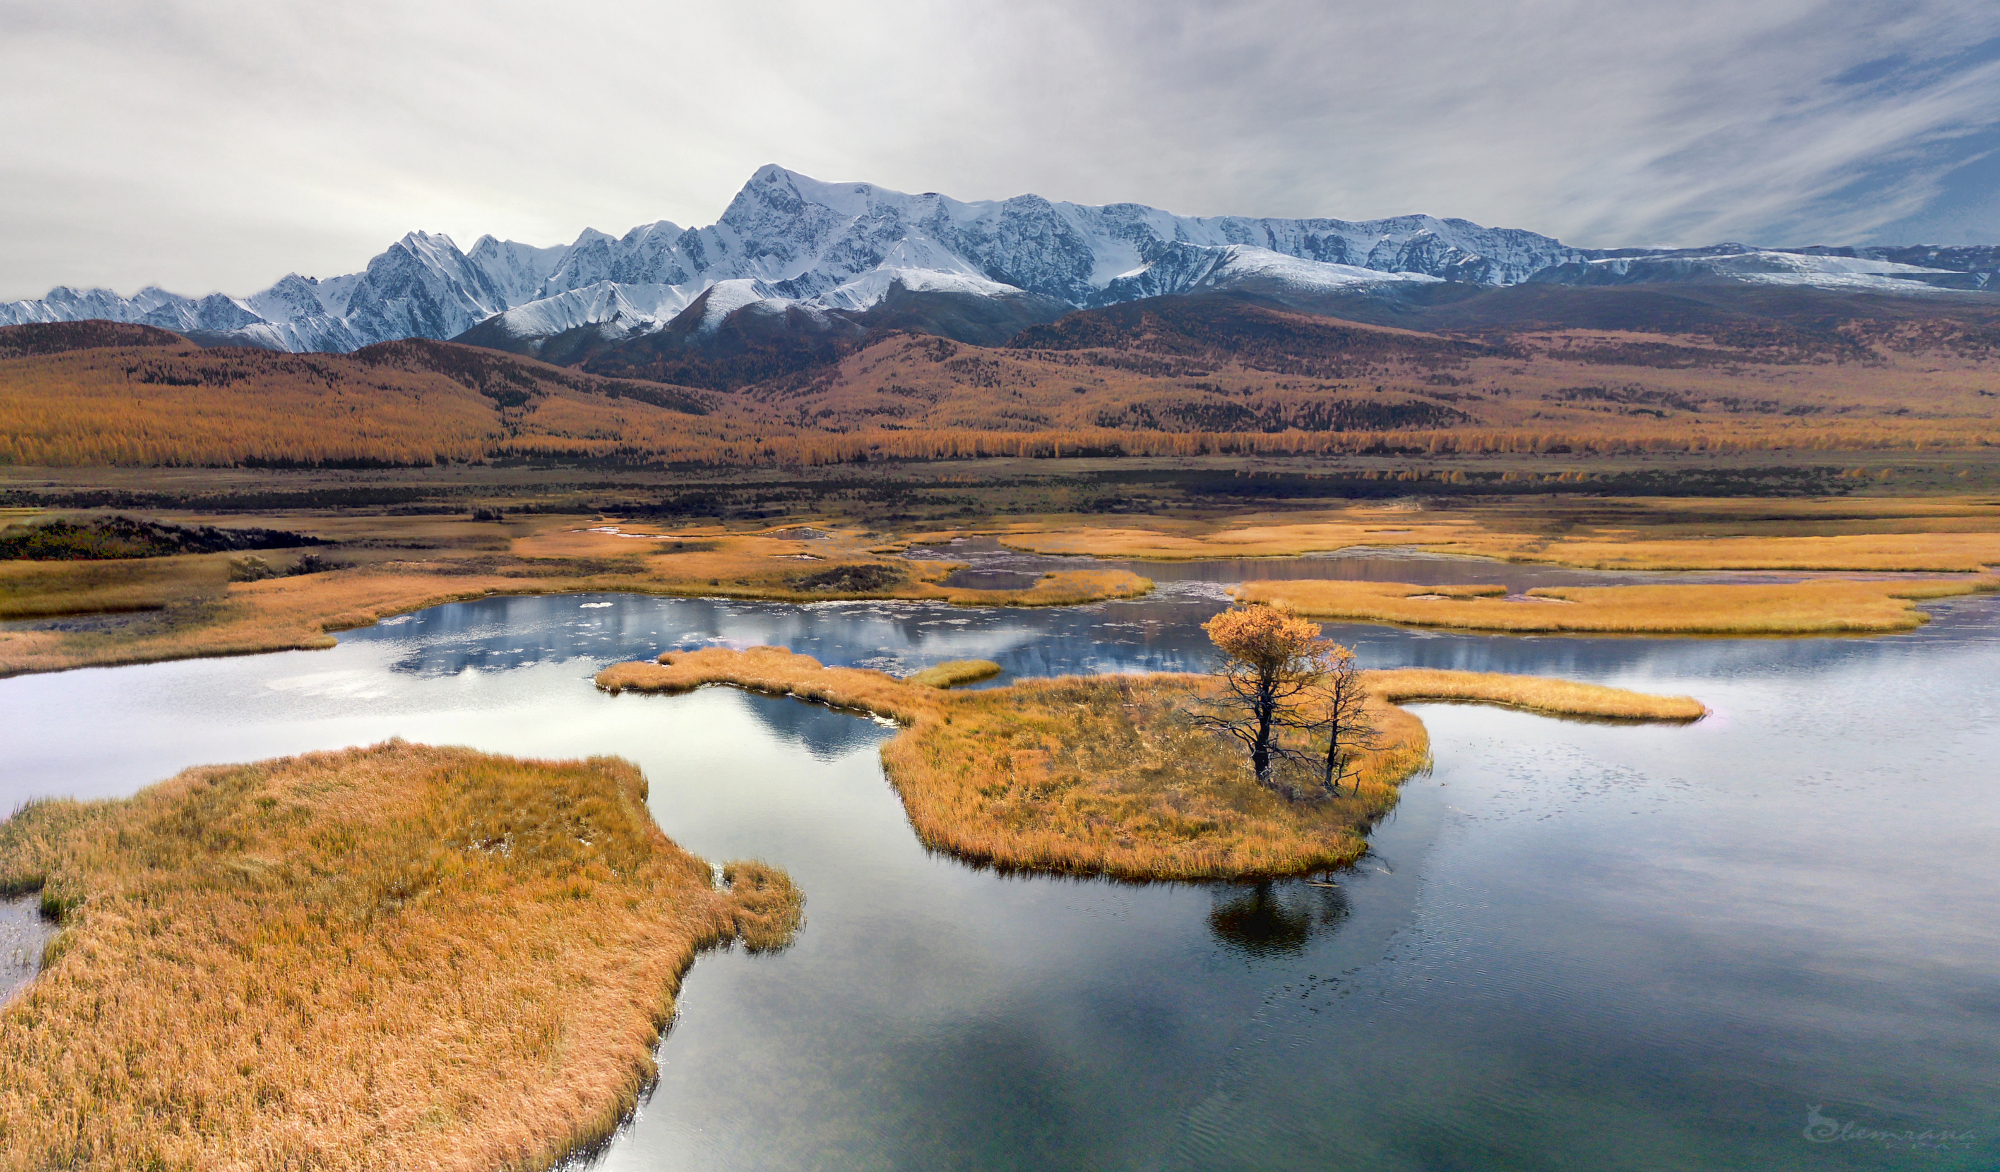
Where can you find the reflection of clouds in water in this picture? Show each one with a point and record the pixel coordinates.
(1161, 632)
(802, 723)
(353, 684)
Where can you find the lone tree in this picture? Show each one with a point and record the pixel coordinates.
(1279, 675)
(1271, 660)
(1338, 710)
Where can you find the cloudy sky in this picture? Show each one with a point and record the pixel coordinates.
(219, 144)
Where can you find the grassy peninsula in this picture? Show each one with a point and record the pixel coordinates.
(392, 957)
(1104, 775)
(1818, 607)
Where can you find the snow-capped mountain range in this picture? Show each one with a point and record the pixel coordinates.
(788, 241)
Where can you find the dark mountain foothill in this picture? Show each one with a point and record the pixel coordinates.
(106, 538)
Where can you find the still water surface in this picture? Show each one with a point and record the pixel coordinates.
(1765, 941)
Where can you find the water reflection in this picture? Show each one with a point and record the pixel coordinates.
(985, 556)
(805, 724)
(23, 933)
(1585, 946)
(1157, 633)
(1268, 919)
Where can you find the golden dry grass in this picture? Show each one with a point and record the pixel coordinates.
(954, 672)
(1959, 534)
(769, 908)
(34, 589)
(1818, 607)
(1919, 552)
(395, 957)
(1246, 538)
(1105, 774)
(1056, 588)
(1550, 697)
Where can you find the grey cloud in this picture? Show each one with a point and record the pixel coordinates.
(219, 144)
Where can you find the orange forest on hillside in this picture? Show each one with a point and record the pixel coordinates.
(1157, 385)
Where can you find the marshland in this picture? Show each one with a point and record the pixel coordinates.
(978, 679)
(934, 1010)
(321, 570)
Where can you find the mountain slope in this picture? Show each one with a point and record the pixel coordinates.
(1223, 371)
(1176, 375)
(114, 393)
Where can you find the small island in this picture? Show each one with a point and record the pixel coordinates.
(1105, 775)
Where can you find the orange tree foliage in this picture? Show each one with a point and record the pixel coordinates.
(1271, 661)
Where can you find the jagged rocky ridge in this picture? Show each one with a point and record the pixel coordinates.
(798, 252)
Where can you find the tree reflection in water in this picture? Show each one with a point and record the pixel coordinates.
(1272, 919)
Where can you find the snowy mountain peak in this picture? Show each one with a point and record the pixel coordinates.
(787, 239)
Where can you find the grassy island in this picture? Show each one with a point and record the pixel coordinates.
(393, 957)
(1819, 607)
(1105, 775)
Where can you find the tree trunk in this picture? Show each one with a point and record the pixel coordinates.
(1267, 712)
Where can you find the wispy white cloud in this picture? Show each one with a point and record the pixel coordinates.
(219, 143)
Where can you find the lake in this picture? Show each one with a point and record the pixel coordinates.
(1767, 940)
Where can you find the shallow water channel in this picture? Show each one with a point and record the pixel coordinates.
(1764, 941)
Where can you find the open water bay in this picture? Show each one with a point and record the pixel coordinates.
(1764, 941)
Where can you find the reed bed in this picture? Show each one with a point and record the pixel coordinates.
(1935, 553)
(392, 957)
(954, 672)
(34, 590)
(1964, 541)
(1105, 775)
(1798, 608)
(1057, 588)
(776, 671)
(1191, 542)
